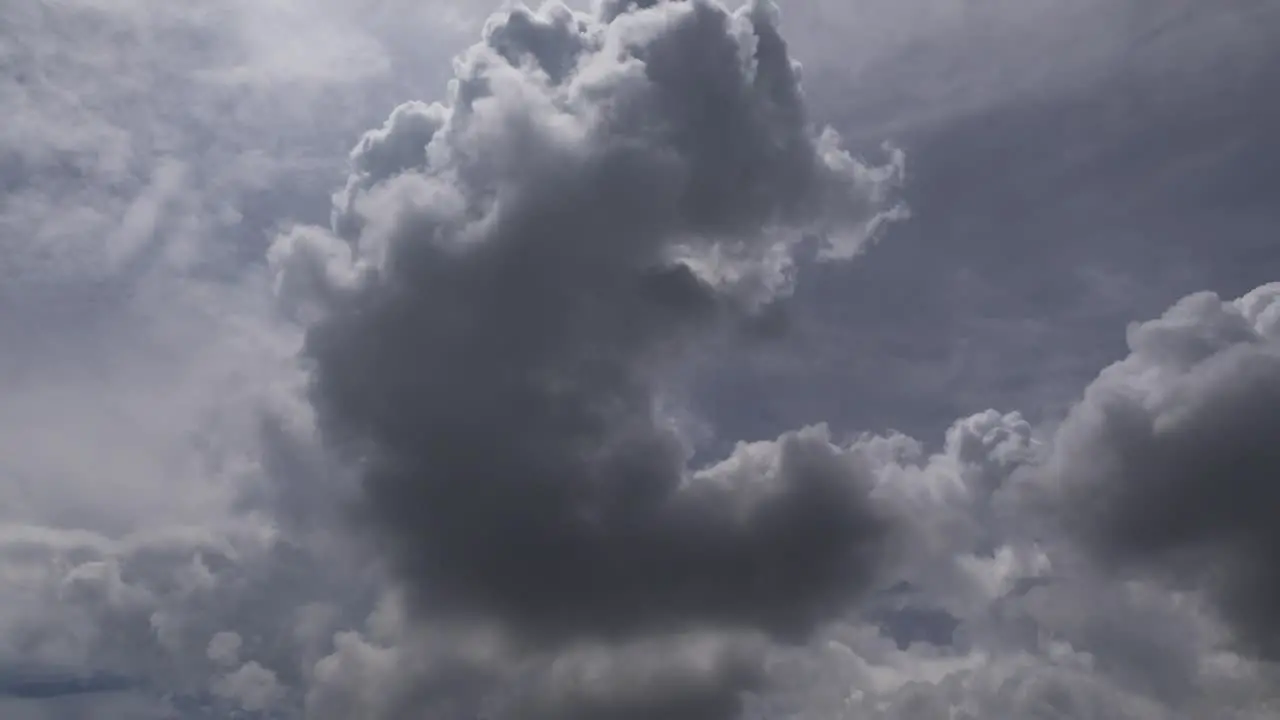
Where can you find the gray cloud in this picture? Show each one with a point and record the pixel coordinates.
(525, 273)
(154, 527)
(1170, 459)
(532, 258)
(680, 677)
(1033, 631)
(398, 668)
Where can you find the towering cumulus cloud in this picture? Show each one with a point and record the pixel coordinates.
(512, 284)
(1171, 460)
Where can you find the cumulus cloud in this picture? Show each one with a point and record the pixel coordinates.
(517, 279)
(987, 609)
(1169, 460)
(517, 289)
(529, 259)
(998, 613)
(251, 687)
(515, 285)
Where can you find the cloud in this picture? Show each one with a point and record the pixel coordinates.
(251, 687)
(511, 226)
(523, 273)
(1034, 629)
(997, 613)
(174, 539)
(1168, 461)
(523, 276)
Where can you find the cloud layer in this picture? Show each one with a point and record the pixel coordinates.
(440, 448)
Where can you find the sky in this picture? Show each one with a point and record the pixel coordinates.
(681, 359)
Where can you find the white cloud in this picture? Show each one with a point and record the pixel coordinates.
(224, 648)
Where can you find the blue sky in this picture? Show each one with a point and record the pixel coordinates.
(276, 442)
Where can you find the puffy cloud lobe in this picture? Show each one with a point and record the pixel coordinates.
(529, 261)
(989, 621)
(1065, 647)
(857, 675)
(679, 677)
(729, 143)
(1059, 691)
(398, 669)
(224, 648)
(957, 547)
(395, 670)
(251, 687)
(1170, 460)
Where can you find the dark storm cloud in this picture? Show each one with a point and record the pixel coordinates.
(532, 262)
(1171, 460)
